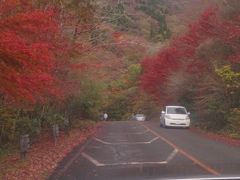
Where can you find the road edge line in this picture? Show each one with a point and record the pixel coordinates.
(192, 158)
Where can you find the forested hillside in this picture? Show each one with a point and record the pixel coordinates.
(90, 54)
(130, 31)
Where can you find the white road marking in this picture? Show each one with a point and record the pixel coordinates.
(92, 160)
(97, 163)
(171, 156)
(140, 132)
(108, 143)
(134, 163)
(143, 132)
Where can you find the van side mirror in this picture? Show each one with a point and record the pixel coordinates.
(163, 112)
(188, 113)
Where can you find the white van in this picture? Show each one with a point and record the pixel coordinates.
(175, 116)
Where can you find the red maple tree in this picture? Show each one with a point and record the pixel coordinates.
(30, 47)
(181, 52)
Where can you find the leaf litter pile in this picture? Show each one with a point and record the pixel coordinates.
(43, 157)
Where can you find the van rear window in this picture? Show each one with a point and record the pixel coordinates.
(174, 110)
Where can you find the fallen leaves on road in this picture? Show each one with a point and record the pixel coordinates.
(44, 156)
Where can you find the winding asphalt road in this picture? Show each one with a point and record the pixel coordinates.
(143, 150)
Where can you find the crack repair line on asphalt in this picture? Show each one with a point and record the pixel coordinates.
(129, 143)
(192, 158)
(97, 163)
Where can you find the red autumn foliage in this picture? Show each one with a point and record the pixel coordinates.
(181, 52)
(157, 68)
(29, 51)
(79, 66)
